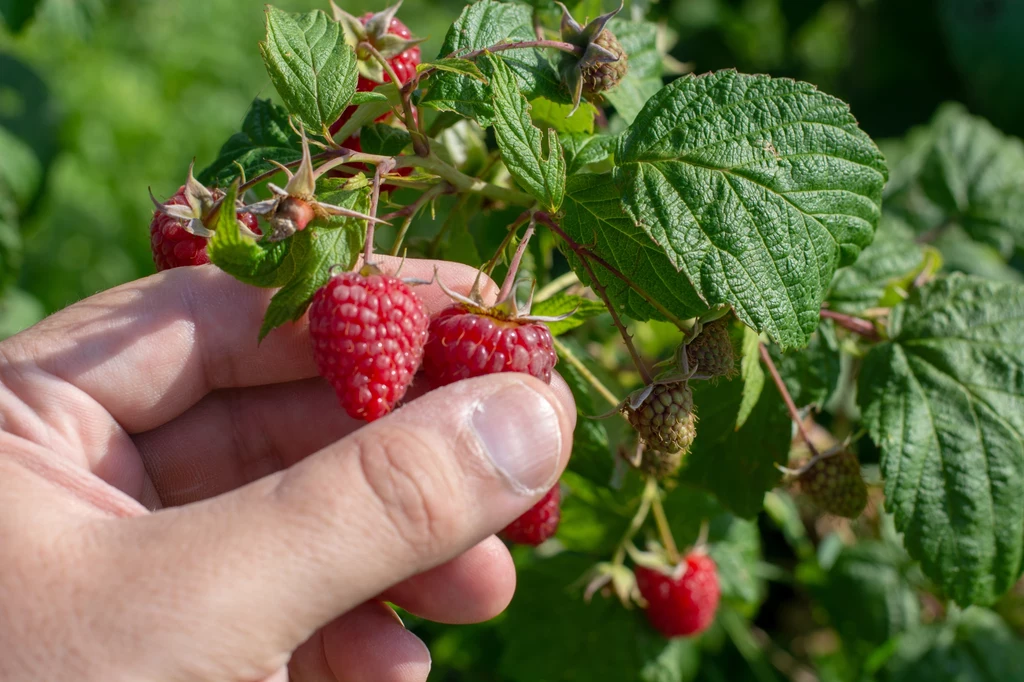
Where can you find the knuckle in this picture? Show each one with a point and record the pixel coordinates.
(415, 493)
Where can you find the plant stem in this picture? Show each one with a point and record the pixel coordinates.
(419, 142)
(513, 267)
(637, 522)
(465, 183)
(794, 414)
(374, 197)
(856, 325)
(410, 211)
(581, 251)
(558, 284)
(598, 385)
(493, 263)
(662, 522)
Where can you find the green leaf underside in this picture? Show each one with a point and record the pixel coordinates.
(455, 65)
(481, 25)
(891, 257)
(378, 138)
(944, 400)
(643, 76)
(582, 150)
(265, 135)
(594, 218)
(756, 189)
(310, 65)
(321, 249)
(367, 97)
(737, 465)
(582, 309)
(548, 114)
(541, 172)
(976, 174)
(263, 263)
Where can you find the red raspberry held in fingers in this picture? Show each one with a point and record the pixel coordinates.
(368, 333)
(681, 601)
(173, 246)
(538, 523)
(465, 343)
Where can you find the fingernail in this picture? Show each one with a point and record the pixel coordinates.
(520, 432)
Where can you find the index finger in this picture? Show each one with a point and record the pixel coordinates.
(148, 350)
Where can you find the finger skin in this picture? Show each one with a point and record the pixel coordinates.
(398, 497)
(146, 351)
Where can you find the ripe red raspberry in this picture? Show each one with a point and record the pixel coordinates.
(368, 333)
(464, 343)
(538, 523)
(404, 65)
(173, 246)
(681, 601)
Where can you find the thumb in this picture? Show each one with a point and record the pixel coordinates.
(406, 493)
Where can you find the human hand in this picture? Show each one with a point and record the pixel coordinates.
(177, 503)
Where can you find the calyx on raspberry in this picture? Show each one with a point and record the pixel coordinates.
(470, 339)
(833, 482)
(388, 36)
(538, 523)
(181, 226)
(368, 330)
(603, 64)
(682, 599)
(294, 207)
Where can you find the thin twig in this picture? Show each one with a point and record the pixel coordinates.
(419, 142)
(650, 492)
(591, 378)
(513, 267)
(794, 414)
(410, 211)
(856, 325)
(378, 172)
(663, 528)
(558, 284)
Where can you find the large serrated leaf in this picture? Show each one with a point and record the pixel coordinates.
(756, 189)
(594, 218)
(643, 76)
(265, 136)
(944, 400)
(483, 24)
(310, 65)
(976, 174)
(533, 158)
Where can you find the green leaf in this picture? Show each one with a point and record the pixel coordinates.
(310, 64)
(582, 150)
(548, 114)
(11, 247)
(891, 258)
(751, 374)
(367, 97)
(811, 374)
(454, 65)
(944, 401)
(593, 217)
(756, 189)
(18, 311)
(265, 136)
(534, 159)
(643, 76)
(552, 635)
(483, 24)
(17, 13)
(323, 249)
(976, 174)
(21, 173)
(582, 309)
(868, 596)
(263, 263)
(737, 465)
(975, 646)
(385, 140)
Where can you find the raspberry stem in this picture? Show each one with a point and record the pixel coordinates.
(637, 522)
(571, 358)
(856, 325)
(794, 414)
(512, 229)
(513, 268)
(419, 142)
(664, 531)
(378, 172)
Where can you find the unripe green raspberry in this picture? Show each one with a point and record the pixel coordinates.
(660, 464)
(665, 419)
(603, 76)
(712, 352)
(835, 485)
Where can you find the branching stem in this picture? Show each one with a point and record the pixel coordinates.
(649, 494)
(664, 531)
(794, 414)
(419, 141)
(857, 325)
(513, 267)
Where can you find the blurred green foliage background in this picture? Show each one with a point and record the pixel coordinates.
(100, 99)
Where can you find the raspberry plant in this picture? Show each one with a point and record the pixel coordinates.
(712, 244)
